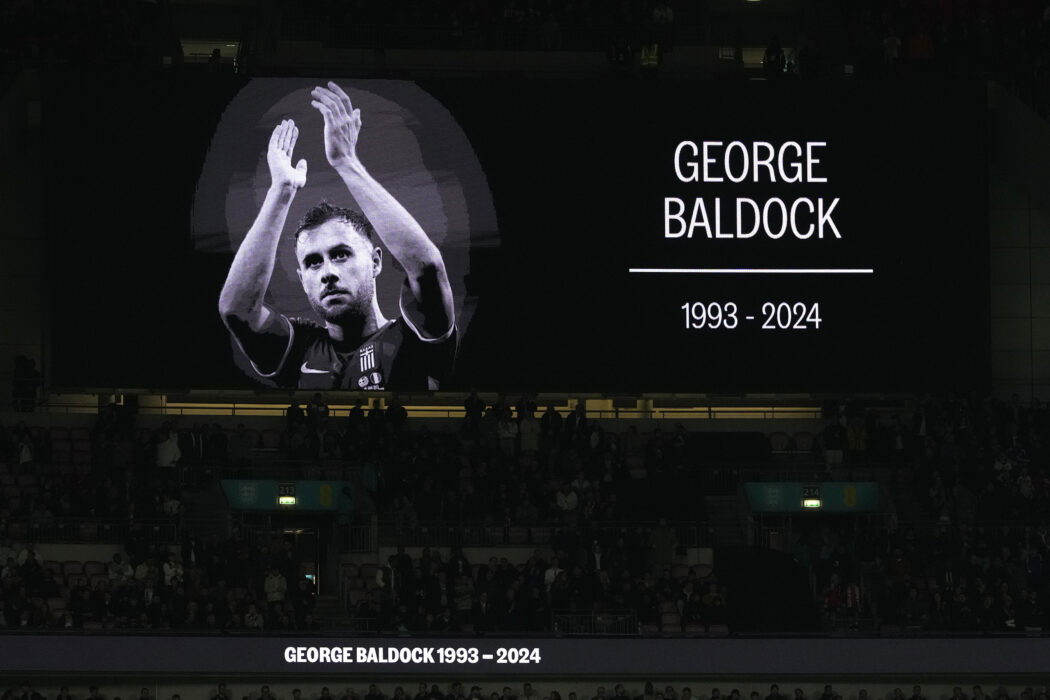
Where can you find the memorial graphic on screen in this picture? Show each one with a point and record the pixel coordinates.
(502, 234)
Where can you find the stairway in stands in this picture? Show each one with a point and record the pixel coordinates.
(724, 514)
(206, 512)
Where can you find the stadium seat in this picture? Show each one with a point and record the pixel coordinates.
(72, 568)
(270, 439)
(779, 442)
(518, 535)
(92, 568)
(80, 434)
(679, 571)
(670, 619)
(368, 570)
(58, 433)
(804, 441)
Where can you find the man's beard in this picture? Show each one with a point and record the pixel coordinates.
(352, 311)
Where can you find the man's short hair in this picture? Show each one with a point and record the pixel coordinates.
(324, 211)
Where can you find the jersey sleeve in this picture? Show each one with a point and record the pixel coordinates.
(302, 334)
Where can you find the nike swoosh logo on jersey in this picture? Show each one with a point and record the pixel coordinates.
(305, 369)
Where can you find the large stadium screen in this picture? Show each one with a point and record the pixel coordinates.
(614, 236)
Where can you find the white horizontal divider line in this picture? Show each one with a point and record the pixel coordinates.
(752, 271)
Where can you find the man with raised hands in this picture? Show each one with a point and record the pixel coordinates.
(357, 347)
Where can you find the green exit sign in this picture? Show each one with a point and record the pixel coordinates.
(797, 497)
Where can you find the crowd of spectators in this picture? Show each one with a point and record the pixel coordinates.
(92, 32)
(126, 490)
(458, 690)
(603, 542)
(206, 585)
(971, 557)
(432, 595)
(1009, 40)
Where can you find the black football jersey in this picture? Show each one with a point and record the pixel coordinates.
(393, 358)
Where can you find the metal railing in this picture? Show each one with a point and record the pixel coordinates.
(605, 622)
(359, 539)
(92, 530)
(257, 408)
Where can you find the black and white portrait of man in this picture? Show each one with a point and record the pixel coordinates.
(341, 253)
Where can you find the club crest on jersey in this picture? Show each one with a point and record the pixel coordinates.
(367, 357)
(362, 381)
